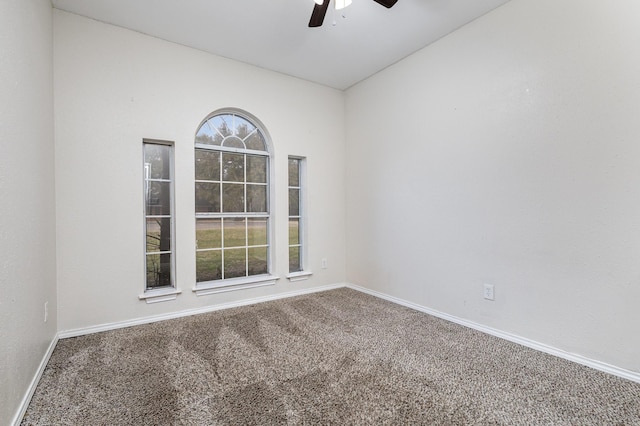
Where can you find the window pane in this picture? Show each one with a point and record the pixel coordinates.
(294, 259)
(235, 263)
(257, 231)
(207, 197)
(294, 202)
(208, 233)
(257, 198)
(294, 231)
(207, 165)
(153, 235)
(233, 167)
(256, 142)
(258, 261)
(208, 136)
(158, 270)
(158, 234)
(233, 142)
(221, 124)
(256, 169)
(158, 198)
(208, 265)
(157, 161)
(233, 198)
(235, 232)
(294, 172)
(243, 127)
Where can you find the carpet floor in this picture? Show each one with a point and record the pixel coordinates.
(336, 357)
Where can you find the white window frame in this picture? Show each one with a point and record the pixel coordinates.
(170, 292)
(304, 272)
(250, 281)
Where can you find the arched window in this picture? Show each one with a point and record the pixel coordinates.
(232, 190)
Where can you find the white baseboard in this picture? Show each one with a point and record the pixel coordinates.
(597, 365)
(150, 319)
(24, 404)
(17, 419)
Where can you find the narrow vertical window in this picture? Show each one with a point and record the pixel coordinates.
(158, 216)
(297, 225)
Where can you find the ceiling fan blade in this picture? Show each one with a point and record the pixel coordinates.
(386, 3)
(317, 16)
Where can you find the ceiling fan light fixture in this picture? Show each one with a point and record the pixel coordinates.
(341, 4)
(321, 6)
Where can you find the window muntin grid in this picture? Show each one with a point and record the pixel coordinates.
(296, 221)
(231, 199)
(158, 215)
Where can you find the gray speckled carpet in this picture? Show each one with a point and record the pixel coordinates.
(336, 357)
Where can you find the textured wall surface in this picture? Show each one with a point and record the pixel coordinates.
(27, 205)
(507, 153)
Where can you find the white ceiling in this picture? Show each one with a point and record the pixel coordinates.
(273, 34)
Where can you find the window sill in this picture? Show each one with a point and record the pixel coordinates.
(213, 287)
(160, 295)
(299, 276)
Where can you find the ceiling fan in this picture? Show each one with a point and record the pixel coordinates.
(321, 6)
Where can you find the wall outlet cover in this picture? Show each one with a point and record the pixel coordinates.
(488, 292)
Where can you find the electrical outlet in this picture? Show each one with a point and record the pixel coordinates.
(488, 291)
(324, 263)
(46, 311)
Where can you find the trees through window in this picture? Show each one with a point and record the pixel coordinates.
(296, 223)
(231, 198)
(158, 190)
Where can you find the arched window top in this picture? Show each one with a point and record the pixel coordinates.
(233, 131)
(232, 202)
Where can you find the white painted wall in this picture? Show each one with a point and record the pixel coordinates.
(115, 87)
(27, 205)
(508, 153)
